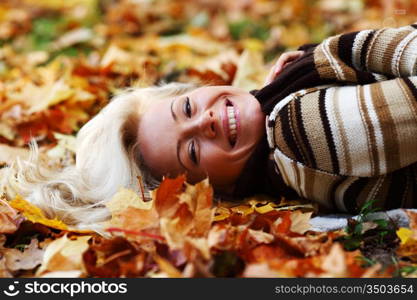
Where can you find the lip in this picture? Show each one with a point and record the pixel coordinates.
(225, 121)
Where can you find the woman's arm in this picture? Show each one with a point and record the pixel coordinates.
(390, 51)
(361, 130)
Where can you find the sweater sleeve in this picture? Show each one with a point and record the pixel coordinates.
(359, 56)
(360, 130)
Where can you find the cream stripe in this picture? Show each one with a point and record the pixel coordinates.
(379, 138)
(395, 65)
(369, 131)
(357, 47)
(332, 60)
(353, 125)
(408, 63)
(382, 50)
(344, 162)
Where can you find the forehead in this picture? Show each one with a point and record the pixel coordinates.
(158, 138)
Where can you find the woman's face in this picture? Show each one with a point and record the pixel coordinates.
(210, 131)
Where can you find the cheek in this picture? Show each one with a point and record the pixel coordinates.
(221, 169)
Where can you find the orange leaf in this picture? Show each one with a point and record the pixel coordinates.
(166, 202)
(285, 225)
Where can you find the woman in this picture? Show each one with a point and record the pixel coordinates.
(340, 122)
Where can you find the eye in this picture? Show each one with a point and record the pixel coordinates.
(187, 107)
(192, 152)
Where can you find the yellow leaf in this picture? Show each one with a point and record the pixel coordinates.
(243, 210)
(250, 72)
(35, 214)
(126, 198)
(167, 267)
(263, 209)
(404, 234)
(221, 213)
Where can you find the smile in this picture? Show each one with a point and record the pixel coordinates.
(231, 123)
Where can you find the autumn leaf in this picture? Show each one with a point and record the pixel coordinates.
(28, 259)
(64, 254)
(9, 218)
(35, 214)
(166, 197)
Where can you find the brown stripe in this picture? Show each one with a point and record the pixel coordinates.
(295, 130)
(352, 193)
(364, 51)
(310, 179)
(372, 146)
(410, 92)
(299, 133)
(328, 132)
(297, 176)
(389, 52)
(389, 134)
(366, 194)
(348, 73)
(397, 189)
(279, 140)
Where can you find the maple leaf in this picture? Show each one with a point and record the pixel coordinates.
(166, 196)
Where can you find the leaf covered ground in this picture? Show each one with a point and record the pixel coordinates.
(61, 61)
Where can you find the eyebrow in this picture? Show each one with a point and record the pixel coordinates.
(174, 116)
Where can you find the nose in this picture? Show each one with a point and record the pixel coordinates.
(207, 124)
(203, 125)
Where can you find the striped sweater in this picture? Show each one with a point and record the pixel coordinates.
(355, 138)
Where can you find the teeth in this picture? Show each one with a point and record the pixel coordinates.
(232, 122)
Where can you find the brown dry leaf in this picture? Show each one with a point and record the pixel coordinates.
(115, 257)
(27, 260)
(9, 218)
(64, 254)
(334, 264)
(130, 212)
(4, 272)
(300, 222)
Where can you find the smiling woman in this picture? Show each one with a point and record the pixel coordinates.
(208, 132)
(336, 126)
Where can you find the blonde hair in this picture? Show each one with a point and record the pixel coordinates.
(107, 158)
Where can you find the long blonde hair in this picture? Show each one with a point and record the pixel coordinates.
(107, 158)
